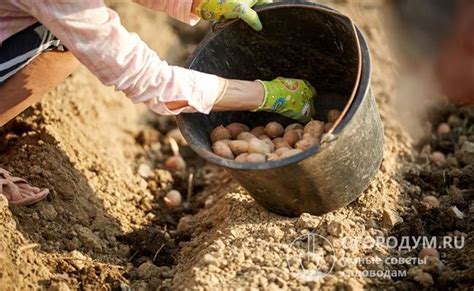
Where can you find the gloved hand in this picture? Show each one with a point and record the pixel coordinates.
(292, 98)
(218, 10)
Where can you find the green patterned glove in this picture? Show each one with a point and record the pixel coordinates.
(292, 98)
(218, 10)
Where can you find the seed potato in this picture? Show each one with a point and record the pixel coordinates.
(258, 131)
(220, 133)
(274, 129)
(294, 126)
(292, 136)
(223, 150)
(239, 147)
(256, 158)
(236, 128)
(247, 136)
(315, 128)
(258, 146)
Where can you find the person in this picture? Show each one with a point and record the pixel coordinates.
(29, 30)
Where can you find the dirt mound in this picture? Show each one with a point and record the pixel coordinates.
(106, 225)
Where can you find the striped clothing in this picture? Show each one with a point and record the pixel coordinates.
(94, 34)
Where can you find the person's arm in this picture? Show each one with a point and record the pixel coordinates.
(183, 10)
(94, 34)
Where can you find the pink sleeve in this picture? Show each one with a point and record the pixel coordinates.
(94, 34)
(179, 9)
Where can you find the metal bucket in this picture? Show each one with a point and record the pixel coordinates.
(308, 41)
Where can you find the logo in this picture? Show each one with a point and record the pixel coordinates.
(311, 256)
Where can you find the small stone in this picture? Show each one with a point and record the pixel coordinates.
(148, 270)
(465, 154)
(461, 140)
(275, 232)
(145, 171)
(185, 223)
(421, 277)
(390, 218)
(354, 285)
(88, 238)
(428, 252)
(209, 201)
(454, 121)
(48, 212)
(79, 260)
(431, 201)
(438, 158)
(443, 129)
(335, 228)
(457, 213)
(306, 220)
(58, 286)
(147, 136)
(125, 287)
(209, 259)
(456, 195)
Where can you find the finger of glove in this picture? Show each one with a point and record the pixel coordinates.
(261, 2)
(251, 18)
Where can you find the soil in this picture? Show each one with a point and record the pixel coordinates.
(105, 224)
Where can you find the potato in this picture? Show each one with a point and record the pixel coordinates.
(274, 129)
(294, 126)
(333, 115)
(305, 144)
(273, 157)
(264, 137)
(328, 126)
(226, 141)
(220, 133)
(242, 158)
(222, 149)
(292, 136)
(258, 146)
(175, 163)
(258, 131)
(282, 150)
(279, 142)
(239, 147)
(270, 144)
(315, 128)
(236, 128)
(247, 136)
(256, 158)
(290, 153)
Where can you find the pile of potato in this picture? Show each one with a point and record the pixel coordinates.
(273, 142)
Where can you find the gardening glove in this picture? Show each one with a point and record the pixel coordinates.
(292, 98)
(217, 10)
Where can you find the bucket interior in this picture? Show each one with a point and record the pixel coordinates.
(298, 41)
